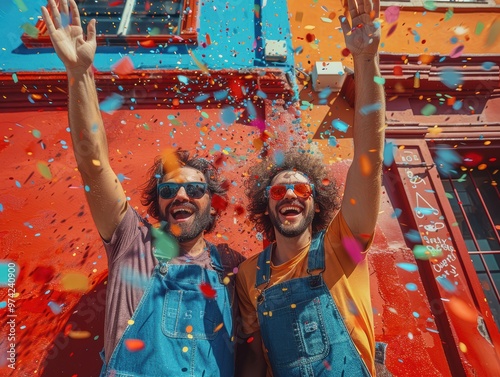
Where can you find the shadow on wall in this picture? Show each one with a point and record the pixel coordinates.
(75, 350)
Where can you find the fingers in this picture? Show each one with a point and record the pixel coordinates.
(48, 20)
(91, 33)
(64, 6)
(75, 14)
(353, 8)
(56, 16)
(376, 8)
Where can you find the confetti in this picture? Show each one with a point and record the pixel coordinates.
(446, 284)
(451, 77)
(410, 267)
(20, 4)
(479, 27)
(56, 308)
(426, 252)
(389, 153)
(391, 14)
(14, 78)
(111, 103)
(493, 33)
(123, 67)
(457, 51)
(430, 5)
(134, 345)
(79, 334)
(75, 281)
(198, 63)
(166, 247)
(228, 115)
(340, 125)
(353, 248)
(462, 310)
(367, 109)
(218, 327)
(44, 170)
(412, 287)
(207, 291)
(428, 110)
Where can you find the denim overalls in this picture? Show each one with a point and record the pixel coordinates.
(300, 325)
(184, 333)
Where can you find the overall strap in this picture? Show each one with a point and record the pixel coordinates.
(316, 257)
(263, 273)
(215, 257)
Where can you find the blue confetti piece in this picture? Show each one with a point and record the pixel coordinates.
(340, 125)
(365, 110)
(446, 284)
(183, 79)
(87, 188)
(332, 141)
(252, 112)
(1, 207)
(18, 184)
(325, 92)
(279, 157)
(446, 160)
(3, 304)
(424, 210)
(220, 95)
(410, 267)
(397, 212)
(487, 65)
(457, 105)
(388, 153)
(416, 315)
(56, 309)
(228, 116)
(261, 94)
(411, 287)
(413, 236)
(201, 98)
(451, 77)
(111, 103)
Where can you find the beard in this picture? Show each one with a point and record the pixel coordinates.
(186, 232)
(289, 230)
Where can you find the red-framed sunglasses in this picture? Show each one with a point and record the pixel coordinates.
(278, 192)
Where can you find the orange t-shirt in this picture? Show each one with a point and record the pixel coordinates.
(348, 282)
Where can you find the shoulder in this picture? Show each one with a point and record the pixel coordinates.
(230, 258)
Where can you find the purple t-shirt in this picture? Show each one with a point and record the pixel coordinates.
(130, 265)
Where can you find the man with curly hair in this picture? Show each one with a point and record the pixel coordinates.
(166, 314)
(305, 300)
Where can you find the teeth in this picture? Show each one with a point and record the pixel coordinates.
(284, 209)
(177, 210)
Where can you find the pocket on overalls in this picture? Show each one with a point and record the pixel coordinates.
(188, 314)
(295, 334)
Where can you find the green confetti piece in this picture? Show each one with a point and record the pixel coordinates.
(30, 30)
(493, 33)
(204, 115)
(44, 170)
(166, 247)
(379, 80)
(326, 19)
(479, 27)
(14, 78)
(36, 134)
(448, 15)
(426, 252)
(428, 110)
(20, 4)
(430, 5)
(146, 126)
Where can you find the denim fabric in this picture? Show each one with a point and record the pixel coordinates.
(180, 327)
(301, 327)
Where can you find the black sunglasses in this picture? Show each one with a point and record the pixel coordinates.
(195, 190)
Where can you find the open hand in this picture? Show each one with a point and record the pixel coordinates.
(66, 35)
(363, 36)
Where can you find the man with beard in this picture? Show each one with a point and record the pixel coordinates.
(305, 300)
(165, 315)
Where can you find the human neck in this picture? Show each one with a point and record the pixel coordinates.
(288, 247)
(193, 247)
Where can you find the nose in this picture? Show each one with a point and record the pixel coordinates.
(182, 195)
(290, 193)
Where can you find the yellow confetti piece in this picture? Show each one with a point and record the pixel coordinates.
(44, 170)
(130, 322)
(463, 347)
(226, 280)
(293, 306)
(74, 281)
(79, 334)
(309, 27)
(96, 162)
(200, 65)
(185, 349)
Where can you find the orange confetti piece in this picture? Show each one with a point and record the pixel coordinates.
(134, 345)
(207, 291)
(176, 230)
(189, 329)
(462, 310)
(218, 327)
(148, 43)
(366, 166)
(170, 162)
(79, 334)
(200, 65)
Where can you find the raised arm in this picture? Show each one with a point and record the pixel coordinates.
(105, 195)
(360, 204)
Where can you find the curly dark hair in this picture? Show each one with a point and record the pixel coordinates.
(261, 175)
(216, 184)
